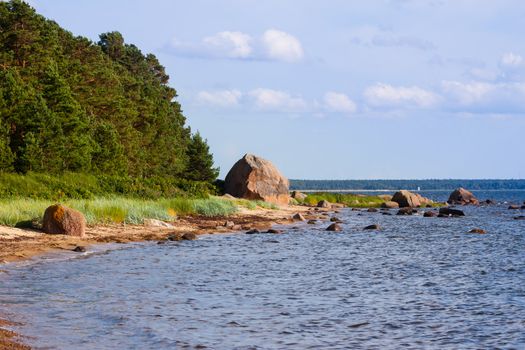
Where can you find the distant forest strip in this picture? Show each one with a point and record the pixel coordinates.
(68, 104)
(442, 184)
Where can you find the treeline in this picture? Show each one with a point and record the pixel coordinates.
(324, 185)
(68, 104)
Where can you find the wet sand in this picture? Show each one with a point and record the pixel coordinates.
(20, 244)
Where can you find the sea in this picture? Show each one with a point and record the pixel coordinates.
(418, 283)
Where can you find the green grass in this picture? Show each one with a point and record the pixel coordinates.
(348, 199)
(116, 210)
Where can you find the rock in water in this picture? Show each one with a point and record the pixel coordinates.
(477, 230)
(408, 199)
(429, 214)
(463, 197)
(451, 212)
(298, 217)
(373, 227)
(334, 227)
(62, 220)
(514, 207)
(258, 179)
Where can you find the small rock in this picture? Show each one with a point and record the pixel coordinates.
(174, 237)
(390, 205)
(429, 214)
(520, 217)
(477, 230)
(372, 210)
(514, 207)
(489, 201)
(79, 249)
(156, 223)
(405, 211)
(386, 213)
(324, 204)
(253, 231)
(189, 236)
(335, 219)
(237, 227)
(373, 227)
(451, 212)
(312, 222)
(229, 224)
(523, 207)
(298, 217)
(334, 227)
(272, 230)
(356, 209)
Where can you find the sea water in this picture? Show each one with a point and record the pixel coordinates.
(417, 283)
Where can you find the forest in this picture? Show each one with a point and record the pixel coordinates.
(71, 105)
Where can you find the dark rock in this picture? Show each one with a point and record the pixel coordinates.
(274, 231)
(429, 214)
(520, 217)
(390, 205)
(489, 202)
(523, 207)
(477, 230)
(372, 210)
(335, 219)
(514, 207)
(462, 197)
(255, 178)
(298, 217)
(334, 227)
(79, 249)
(189, 236)
(253, 231)
(451, 212)
(405, 211)
(386, 213)
(174, 237)
(312, 222)
(373, 227)
(356, 209)
(59, 219)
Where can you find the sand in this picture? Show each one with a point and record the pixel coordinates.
(19, 244)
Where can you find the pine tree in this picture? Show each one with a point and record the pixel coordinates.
(200, 161)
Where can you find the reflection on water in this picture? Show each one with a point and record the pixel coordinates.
(418, 283)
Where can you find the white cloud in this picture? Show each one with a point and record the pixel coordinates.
(273, 45)
(276, 100)
(220, 98)
(282, 46)
(400, 96)
(339, 102)
(230, 44)
(510, 59)
(467, 93)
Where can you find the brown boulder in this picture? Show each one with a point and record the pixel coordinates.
(390, 205)
(477, 230)
(408, 199)
(334, 227)
(298, 195)
(324, 204)
(62, 220)
(258, 179)
(463, 197)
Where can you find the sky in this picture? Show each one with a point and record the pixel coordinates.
(336, 89)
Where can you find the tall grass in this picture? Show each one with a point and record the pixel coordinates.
(116, 210)
(349, 199)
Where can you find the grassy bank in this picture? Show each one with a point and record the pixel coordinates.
(118, 209)
(348, 199)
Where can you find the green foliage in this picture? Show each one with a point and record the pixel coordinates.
(86, 186)
(348, 199)
(70, 105)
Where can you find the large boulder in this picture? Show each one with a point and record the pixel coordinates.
(408, 199)
(59, 219)
(255, 178)
(463, 197)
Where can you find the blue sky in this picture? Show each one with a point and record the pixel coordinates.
(337, 89)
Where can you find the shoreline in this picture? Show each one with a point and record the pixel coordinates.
(24, 244)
